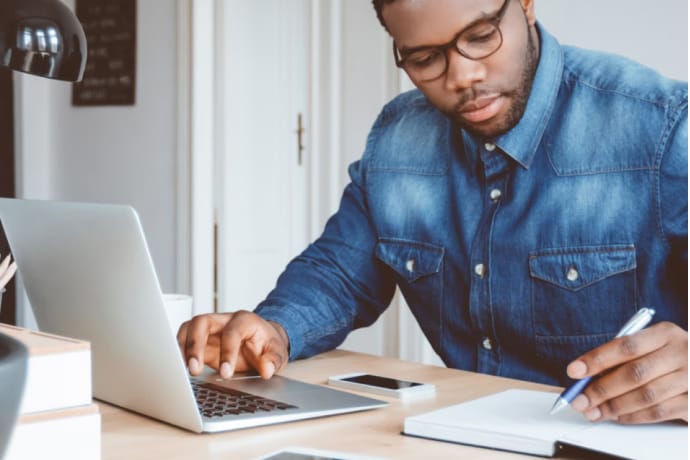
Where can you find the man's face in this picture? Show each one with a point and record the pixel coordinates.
(487, 97)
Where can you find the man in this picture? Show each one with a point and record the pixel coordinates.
(527, 200)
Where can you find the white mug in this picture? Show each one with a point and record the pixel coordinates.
(179, 309)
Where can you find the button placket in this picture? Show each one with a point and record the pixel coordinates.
(496, 168)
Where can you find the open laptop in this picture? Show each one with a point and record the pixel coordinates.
(88, 274)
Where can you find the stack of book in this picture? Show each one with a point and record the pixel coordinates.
(57, 416)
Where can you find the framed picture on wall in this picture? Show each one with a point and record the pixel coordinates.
(110, 74)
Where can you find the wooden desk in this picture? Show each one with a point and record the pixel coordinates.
(376, 432)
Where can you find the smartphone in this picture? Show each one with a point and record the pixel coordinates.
(384, 386)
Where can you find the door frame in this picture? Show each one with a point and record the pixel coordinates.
(195, 147)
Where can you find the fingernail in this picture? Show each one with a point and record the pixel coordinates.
(580, 403)
(193, 365)
(270, 369)
(577, 369)
(593, 414)
(226, 370)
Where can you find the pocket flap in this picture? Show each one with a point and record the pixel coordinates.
(410, 259)
(575, 268)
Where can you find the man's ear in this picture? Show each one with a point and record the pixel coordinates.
(528, 8)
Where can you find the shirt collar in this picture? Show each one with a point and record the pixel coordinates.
(521, 142)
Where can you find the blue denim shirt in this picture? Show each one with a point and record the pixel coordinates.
(518, 254)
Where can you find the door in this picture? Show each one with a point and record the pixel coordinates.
(261, 157)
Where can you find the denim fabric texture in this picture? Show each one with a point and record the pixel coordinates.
(515, 254)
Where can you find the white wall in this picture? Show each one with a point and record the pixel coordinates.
(654, 33)
(117, 154)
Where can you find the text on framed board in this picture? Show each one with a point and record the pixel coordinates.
(110, 74)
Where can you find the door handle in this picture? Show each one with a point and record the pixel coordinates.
(300, 146)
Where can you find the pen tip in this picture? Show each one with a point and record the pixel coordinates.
(558, 406)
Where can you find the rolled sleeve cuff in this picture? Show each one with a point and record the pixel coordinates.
(291, 323)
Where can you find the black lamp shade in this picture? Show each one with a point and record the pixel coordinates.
(42, 37)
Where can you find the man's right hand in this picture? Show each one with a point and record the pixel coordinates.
(230, 342)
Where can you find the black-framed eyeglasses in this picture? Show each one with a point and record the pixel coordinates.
(477, 41)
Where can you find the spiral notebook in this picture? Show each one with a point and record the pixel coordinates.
(519, 421)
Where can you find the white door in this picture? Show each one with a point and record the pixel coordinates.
(261, 202)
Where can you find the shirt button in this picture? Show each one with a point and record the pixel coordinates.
(409, 265)
(486, 344)
(572, 274)
(490, 147)
(495, 194)
(480, 269)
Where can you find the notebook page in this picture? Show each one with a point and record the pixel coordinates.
(522, 413)
(512, 420)
(641, 442)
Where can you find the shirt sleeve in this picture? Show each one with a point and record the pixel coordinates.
(673, 202)
(336, 285)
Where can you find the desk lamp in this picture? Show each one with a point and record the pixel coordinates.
(44, 38)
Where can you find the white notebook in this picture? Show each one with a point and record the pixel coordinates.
(519, 420)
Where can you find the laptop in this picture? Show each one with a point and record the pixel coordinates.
(88, 274)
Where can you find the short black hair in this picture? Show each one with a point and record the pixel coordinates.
(378, 6)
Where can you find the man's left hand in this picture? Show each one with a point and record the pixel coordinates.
(642, 378)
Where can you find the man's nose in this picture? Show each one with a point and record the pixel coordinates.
(463, 72)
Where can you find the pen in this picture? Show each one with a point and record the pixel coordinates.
(636, 323)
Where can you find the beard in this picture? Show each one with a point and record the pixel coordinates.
(519, 97)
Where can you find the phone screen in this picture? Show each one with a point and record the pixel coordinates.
(383, 382)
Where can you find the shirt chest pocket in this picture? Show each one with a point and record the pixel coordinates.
(580, 299)
(411, 260)
(584, 291)
(418, 269)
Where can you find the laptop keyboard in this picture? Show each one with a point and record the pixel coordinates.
(217, 401)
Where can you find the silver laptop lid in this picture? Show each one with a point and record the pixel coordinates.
(89, 275)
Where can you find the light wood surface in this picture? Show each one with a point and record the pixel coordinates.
(376, 433)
